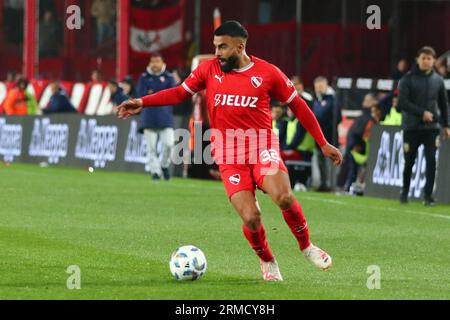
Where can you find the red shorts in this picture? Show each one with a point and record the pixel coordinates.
(240, 177)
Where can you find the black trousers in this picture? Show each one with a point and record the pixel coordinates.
(412, 139)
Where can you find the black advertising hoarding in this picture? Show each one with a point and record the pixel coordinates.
(74, 140)
(111, 144)
(385, 167)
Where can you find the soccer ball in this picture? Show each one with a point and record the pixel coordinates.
(188, 263)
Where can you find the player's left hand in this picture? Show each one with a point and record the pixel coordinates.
(333, 153)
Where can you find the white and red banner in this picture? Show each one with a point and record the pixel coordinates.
(156, 30)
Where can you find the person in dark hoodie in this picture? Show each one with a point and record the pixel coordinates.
(157, 123)
(356, 141)
(329, 116)
(117, 94)
(59, 102)
(424, 105)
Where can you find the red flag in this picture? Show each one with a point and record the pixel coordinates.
(156, 30)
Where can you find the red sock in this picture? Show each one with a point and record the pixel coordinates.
(258, 242)
(296, 221)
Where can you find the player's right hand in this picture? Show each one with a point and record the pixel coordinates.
(129, 108)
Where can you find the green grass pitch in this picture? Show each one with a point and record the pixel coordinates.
(120, 229)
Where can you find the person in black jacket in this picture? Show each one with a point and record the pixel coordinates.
(117, 94)
(59, 102)
(424, 105)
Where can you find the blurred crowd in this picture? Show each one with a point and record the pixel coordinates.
(298, 148)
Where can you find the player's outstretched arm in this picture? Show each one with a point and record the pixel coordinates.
(168, 97)
(309, 121)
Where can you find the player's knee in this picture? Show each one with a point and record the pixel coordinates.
(284, 200)
(252, 219)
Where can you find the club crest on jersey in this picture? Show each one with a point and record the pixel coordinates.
(235, 179)
(256, 82)
(289, 83)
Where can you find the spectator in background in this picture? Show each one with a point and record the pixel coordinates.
(59, 102)
(96, 76)
(117, 94)
(443, 65)
(298, 148)
(182, 112)
(358, 151)
(190, 48)
(127, 85)
(394, 116)
(442, 70)
(16, 100)
(424, 105)
(328, 114)
(181, 117)
(50, 32)
(298, 84)
(32, 105)
(104, 11)
(400, 69)
(355, 141)
(157, 122)
(279, 121)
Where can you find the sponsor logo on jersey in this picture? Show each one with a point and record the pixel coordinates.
(235, 179)
(219, 78)
(256, 81)
(232, 100)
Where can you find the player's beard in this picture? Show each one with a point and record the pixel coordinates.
(230, 63)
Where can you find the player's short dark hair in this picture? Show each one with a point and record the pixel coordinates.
(427, 50)
(231, 28)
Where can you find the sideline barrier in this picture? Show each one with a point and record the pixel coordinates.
(112, 144)
(74, 140)
(385, 167)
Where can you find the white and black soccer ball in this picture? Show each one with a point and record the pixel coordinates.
(188, 263)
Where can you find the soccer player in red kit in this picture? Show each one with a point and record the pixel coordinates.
(238, 91)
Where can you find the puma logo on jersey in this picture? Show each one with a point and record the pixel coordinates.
(219, 78)
(235, 179)
(256, 81)
(232, 100)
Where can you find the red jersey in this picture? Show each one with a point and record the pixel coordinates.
(240, 99)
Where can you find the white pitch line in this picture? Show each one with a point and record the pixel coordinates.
(435, 215)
